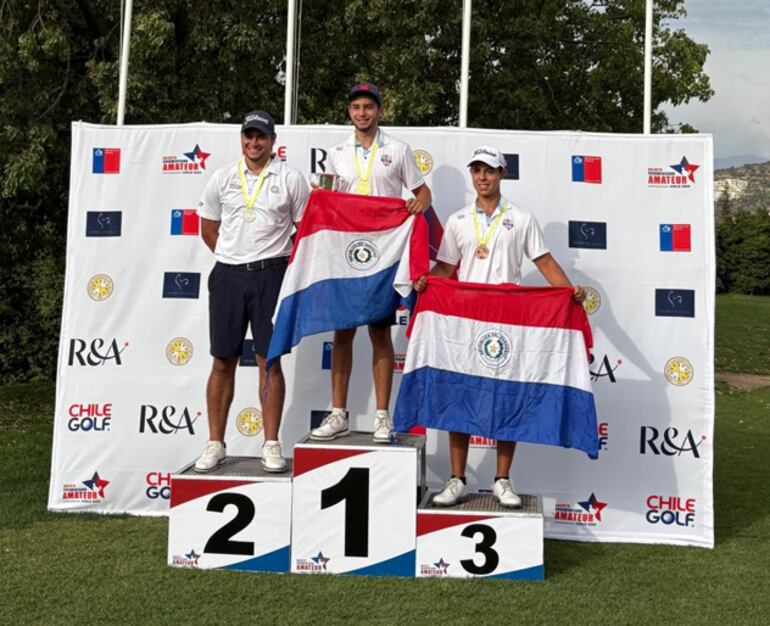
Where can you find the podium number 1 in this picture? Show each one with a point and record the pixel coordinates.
(354, 489)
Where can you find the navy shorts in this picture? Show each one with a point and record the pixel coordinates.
(240, 295)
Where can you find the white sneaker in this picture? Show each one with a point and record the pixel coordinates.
(454, 491)
(335, 424)
(212, 456)
(503, 490)
(272, 459)
(383, 429)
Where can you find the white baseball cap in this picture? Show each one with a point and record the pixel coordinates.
(489, 155)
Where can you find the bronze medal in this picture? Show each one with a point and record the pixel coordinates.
(482, 252)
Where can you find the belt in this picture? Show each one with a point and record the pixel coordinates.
(262, 264)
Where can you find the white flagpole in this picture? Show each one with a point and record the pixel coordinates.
(648, 67)
(465, 63)
(288, 99)
(123, 79)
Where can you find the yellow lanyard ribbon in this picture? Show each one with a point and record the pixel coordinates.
(483, 240)
(249, 202)
(363, 186)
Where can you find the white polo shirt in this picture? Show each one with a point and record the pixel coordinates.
(517, 234)
(281, 202)
(394, 166)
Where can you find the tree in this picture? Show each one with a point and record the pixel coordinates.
(536, 64)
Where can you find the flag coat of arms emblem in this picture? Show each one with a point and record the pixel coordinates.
(352, 264)
(499, 361)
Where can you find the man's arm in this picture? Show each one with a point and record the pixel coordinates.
(442, 269)
(555, 275)
(421, 201)
(210, 233)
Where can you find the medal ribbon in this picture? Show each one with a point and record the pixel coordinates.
(249, 202)
(483, 240)
(364, 178)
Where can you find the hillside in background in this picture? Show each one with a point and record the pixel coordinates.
(746, 187)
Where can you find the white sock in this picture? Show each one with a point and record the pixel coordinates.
(336, 409)
(382, 413)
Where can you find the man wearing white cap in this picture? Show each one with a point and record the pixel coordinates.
(489, 239)
(369, 163)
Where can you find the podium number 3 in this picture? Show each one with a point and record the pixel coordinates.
(220, 542)
(354, 489)
(488, 538)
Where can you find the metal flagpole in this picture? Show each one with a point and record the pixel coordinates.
(122, 81)
(465, 63)
(288, 99)
(648, 67)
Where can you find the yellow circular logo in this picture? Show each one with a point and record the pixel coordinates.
(249, 421)
(678, 371)
(179, 351)
(424, 161)
(593, 301)
(100, 287)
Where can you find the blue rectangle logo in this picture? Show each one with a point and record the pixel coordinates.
(104, 223)
(181, 284)
(248, 354)
(591, 235)
(326, 355)
(511, 166)
(675, 302)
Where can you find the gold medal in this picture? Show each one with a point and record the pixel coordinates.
(363, 188)
(482, 252)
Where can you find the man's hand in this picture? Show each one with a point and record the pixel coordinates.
(579, 293)
(415, 207)
(420, 284)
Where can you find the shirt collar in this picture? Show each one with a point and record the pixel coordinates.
(381, 139)
(275, 165)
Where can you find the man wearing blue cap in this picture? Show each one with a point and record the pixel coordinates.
(369, 163)
(248, 211)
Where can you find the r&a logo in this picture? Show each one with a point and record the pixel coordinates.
(98, 352)
(604, 369)
(668, 443)
(166, 421)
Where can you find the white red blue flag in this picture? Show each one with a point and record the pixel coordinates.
(500, 361)
(353, 263)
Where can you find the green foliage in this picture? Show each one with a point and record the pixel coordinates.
(742, 334)
(545, 64)
(743, 251)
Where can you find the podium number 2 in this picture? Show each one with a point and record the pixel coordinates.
(488, 538)
(220, 542)
(354, 489)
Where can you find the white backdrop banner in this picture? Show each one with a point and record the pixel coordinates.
(630, 217)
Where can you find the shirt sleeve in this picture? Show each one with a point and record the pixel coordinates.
(410, 173)
(298, 193)
(210, 205)
(534, 242)
(449, 250)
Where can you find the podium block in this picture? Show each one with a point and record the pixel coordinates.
(480, 538)
(354, 505)
(235, 517)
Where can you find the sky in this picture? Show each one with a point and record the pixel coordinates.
(738, 115)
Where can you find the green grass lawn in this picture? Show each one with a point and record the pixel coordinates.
(90, 569)
(743, 334)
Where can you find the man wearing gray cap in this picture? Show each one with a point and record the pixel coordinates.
(369, 163)
(489, 239)
(248, 210)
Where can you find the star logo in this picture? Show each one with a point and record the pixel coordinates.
(96, 484)
(595, 504)
(685, 167)
(198, 156)
(442, 565)
(320, 559)
(193, 556)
